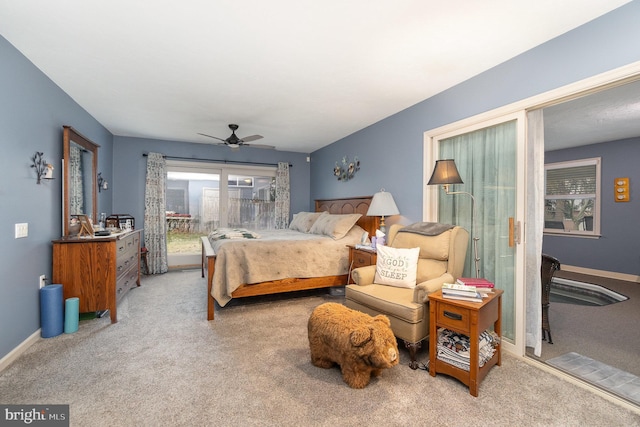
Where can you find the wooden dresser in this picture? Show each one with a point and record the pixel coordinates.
(99, 270)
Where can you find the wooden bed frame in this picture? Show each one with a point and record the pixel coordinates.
(335, 206)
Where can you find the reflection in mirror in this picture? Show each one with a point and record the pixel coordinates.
(79, 184)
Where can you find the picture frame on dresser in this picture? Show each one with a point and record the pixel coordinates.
(85, 225)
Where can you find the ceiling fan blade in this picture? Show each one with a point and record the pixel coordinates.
(268, 147)
(214, 137)
(251, 138)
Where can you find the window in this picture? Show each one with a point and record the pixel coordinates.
(572, 197)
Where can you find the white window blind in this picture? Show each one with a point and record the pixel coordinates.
(572, 181)
(572, 197)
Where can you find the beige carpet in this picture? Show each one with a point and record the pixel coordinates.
(164, 364)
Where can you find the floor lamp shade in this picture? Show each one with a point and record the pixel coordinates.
(445, 172)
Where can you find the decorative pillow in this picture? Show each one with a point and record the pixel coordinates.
(302, 221)
(397, 267)
(334, 225)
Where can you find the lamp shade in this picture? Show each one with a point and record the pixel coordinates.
(382, 204)
(445, 172)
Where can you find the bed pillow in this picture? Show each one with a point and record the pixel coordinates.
(397, 267)
(302, 221)
(334, 225)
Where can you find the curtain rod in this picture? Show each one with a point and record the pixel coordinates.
(236, 162)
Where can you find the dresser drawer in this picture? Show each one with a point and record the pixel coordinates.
(126, 282)
(362, 259)
(454, 317)
(125, 262)
(128, 245)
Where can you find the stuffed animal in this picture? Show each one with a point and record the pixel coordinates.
(362, 345)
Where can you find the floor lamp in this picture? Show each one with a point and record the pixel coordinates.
(446, 173)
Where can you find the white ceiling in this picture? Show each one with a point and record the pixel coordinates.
(302, 73)
(607, 115)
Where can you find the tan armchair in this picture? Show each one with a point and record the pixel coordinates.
(441, 260)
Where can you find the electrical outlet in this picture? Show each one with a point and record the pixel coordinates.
(43, 281)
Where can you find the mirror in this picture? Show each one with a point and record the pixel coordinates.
(80, 160)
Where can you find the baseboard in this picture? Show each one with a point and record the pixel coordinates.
(601, 273)
(16, 352)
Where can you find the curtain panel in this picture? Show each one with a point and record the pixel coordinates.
(283, 191)
(155, 230)
(486, 161)
(534, 230)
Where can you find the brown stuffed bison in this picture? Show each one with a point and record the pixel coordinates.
(362, 345)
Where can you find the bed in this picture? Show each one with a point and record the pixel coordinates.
(358, 205)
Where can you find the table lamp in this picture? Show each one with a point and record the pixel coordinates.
(382, 205)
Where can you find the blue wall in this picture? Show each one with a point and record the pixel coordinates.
(33, 110)
(618, 249)
(391, 151)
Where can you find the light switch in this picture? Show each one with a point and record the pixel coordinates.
(621, 189)
(22, 230)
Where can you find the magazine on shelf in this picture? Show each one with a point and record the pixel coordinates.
(477, 282)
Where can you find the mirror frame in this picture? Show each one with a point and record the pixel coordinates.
(69, 135)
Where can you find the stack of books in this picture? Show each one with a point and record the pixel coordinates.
(461, 292)
(468, 289)
(479, 283)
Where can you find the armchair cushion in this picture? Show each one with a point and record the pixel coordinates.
(397, 267)
(431, 247)
(394, 302)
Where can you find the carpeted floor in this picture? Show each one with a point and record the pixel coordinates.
(164, 364)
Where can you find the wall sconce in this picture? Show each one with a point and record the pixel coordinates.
(43, 169)
(102, 183)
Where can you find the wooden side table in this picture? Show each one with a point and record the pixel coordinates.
(468, 318)
(360, 258)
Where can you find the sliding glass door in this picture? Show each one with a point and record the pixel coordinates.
(486, 156)
(202, 197)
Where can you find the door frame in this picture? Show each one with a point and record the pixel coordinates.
(605, 80)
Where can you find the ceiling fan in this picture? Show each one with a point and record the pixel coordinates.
(235, 143)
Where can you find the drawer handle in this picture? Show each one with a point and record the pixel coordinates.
(453, 316)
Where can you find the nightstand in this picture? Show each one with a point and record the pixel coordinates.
(470, 319)
(360, 258)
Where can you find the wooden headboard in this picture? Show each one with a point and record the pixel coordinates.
(352, 205)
